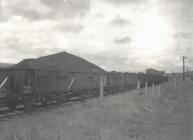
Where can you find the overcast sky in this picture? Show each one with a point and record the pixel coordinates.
(122, 35)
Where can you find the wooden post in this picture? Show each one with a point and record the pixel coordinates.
(146, 87)
(153, 88)
(138, 87)
(101, 87)
(138, 84)
(159, 90)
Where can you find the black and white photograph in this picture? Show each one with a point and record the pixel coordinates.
(96, 69)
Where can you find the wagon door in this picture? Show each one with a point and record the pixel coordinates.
(42, 83)
(28, 83)
(52, 81)
(79, 83)
(92, 83)
(16, 83)
(64, 81)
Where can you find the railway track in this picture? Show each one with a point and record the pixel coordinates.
(5, 114)
(19, 112)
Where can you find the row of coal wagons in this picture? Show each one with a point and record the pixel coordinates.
(29, 87)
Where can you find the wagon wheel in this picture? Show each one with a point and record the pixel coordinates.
(11, 107)
(12, 103)
(63, 97)
(29, 102)
(68, 96)
(82, 95)
(44, 99)
(59, 99)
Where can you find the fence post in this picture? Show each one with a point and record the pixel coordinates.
(138, 87)
(153, 88)
(159, 92)
(138, 84)
(146, 87)
(101, 87)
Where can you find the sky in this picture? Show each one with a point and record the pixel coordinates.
(121, 35)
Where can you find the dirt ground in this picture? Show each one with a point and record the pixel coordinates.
(154, 115)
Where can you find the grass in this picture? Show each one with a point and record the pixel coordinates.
(126, 116)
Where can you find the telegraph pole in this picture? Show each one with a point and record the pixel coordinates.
(183, 61)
